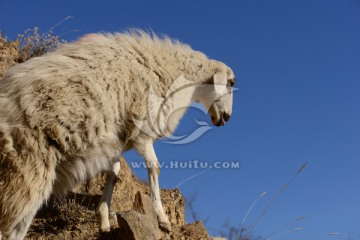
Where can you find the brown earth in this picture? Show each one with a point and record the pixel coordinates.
(74, 216)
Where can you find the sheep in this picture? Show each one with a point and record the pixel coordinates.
(71, 113)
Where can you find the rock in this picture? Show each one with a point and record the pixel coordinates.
(137, 226)
(143, 204)
(141, 222)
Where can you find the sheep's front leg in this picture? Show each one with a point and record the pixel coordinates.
(148, 152)
(105, 202)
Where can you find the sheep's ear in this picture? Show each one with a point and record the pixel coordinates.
(220, 81)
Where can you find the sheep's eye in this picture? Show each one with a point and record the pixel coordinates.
(230, 82)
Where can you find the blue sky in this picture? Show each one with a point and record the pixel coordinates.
(297, 66)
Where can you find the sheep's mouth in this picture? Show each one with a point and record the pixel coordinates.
(222, 120)
(218, 118)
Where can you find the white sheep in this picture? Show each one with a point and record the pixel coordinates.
(69, 114)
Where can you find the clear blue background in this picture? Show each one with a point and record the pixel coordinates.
(297, 65)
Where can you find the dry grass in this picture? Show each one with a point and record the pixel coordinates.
(63, 218)
(33, 43)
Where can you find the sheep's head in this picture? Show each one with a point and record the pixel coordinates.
(217, 95)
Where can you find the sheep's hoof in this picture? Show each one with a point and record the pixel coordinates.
(104, 229)
(165, 226)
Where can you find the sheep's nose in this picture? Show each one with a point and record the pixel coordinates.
(226, 117)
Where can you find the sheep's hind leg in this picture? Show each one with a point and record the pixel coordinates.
(21, 228)
(148, 152)
(105, 202)
(22, 210)
(22, 198)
